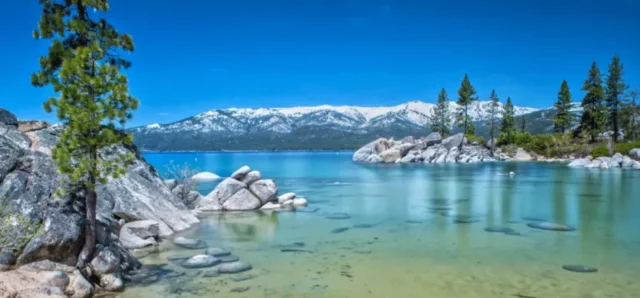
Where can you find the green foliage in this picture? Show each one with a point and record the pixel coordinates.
(440, 118)
(16, 230)
(551, 145)
(523, 124)
(508, 127)
(593, 116)
(562, 119)
(84, 68)
(629, 116)
(466, 95)
(614, 90)
(494, 107)
(599, 151)
(473, 138)
(624, 148)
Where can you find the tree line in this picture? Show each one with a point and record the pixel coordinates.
(608, 106)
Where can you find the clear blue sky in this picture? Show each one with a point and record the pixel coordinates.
(193, 56)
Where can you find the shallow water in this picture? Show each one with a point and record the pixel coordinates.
(418, 230)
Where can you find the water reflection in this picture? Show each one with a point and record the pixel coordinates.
(241, 226)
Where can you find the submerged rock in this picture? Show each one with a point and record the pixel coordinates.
(201, 261)
(228, 259)
(339, 230)
(338, 216)
(580, 268)
(498, 229)
(217, 252)
(234, 267)
(550, 226)
(189, 243)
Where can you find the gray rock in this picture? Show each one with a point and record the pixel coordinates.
(265, 190)
(363, 154)
(635, 154)
(604, 159)
(299, 202)
(8, 118)
(490, 143)
(15, 137)
(240, 173)
(201, 261)
(453, 141)
(381, 145)
(189, 243)
(375, 159)
(111, 283)
(251, 177)
(242, 200)
(139, 234)
(390, 155)
(452, 155)
(240, 289)
(579, 163)
(227, 188)
(234, 267)
(594, 164)
(626, 162)
(211, 273)
(170, 183)
(217, 252)
(432, 139)
(79, 287)
(106, 261)
(205, 176)
(286, 197)
(441, 155)
(429, 154)
(32, 125)
(408, 140)
(9, 154)
(229, 259)
(271, 206)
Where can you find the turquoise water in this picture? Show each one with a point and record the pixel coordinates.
(402, 238)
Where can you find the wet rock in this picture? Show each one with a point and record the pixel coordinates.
(211, 273)
(107, 261)
(413, 221)
(286, 197)
(498, 229)
(533, 219)
(270, 206)
(580, 268)
(299, 202)
(240, 173)
(265, 190)
(466, 220)
(251, 177)
(339, 216)
(111, 282)
(550, 226)
(240, 289)
(512, 233)
(174, 274)
(189, 243)
(295, 250)
(339, 230)
(240, 277)
(201, 261)
(234, 267)
(139, 234)
(229, 259)
(217, 252)
(178, 259)
(242, 200)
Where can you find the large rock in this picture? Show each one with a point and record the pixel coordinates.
(242, 200)
(27, 126)
(391, 155)
(251, 177)
(240, 173)
(452, 155)
(429, 154)
(441, 155)
(286, 197)
(412, 156)
(635, 154)
(374, 148)
(579, 163)
(432, 139)
(594, 164)
(139, 234)
(627, 162)
(189, 243)
(227, 188)
(453, 141)
(265, 190)
(107, 261)
(7, 118)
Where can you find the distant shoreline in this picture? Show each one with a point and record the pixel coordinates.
(245, 151)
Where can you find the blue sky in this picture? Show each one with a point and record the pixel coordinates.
(196, 55)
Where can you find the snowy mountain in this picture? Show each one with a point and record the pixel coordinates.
(352, 119)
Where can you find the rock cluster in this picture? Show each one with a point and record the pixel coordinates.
(431, 149)
(616, 161)
(246, 190)
(42, 230)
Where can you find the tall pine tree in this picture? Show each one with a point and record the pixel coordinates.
(466, 95)
(629, 116)
(440, 117)
(494, 109)
(614, 90)
(523, 124)
(84, 66)
(563, 117)
(593, 116)
(508, 127)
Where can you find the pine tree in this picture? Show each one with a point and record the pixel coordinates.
(629, 116)
(494, 106)
(466, 95)
(523, 124)
(508, 127)
(84, 66)
(593, 116)
(440, 117)
(563, 117)
(614, 91)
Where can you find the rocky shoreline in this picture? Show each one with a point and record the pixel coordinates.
(631, 161)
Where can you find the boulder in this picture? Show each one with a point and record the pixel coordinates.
(412, 156)
(452, 155)
(205, 176)
(604, 159)
(107, 261)
(286, 197)
(453, 141)
(635, 154)
(375, 159)
(441, 155)
(390, 155)
(365, 152)
(432, 139)
(242, 200)
(408, 140)
(429, 154)
(627, 162)
(270, 206)
(240, 173)
(78, 286)
(189, 243)
(139, 234)
(380, 145)
(170, 183)
(299, 202)
(266, 190)
(251, 177)
(225, 190)
(111, 282)
(490, 143)
(201, 261)
(579, 163)
(594, 164)
(234, 267)
(8, 118)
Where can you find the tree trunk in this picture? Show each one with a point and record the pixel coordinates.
(465, 118)
(90, 217)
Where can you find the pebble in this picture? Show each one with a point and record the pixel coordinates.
(339, 230)
(217, 252)
(339, 216)
(234, 267)
(240, 289)
(228, 259)
(550, 226)
(580, 268)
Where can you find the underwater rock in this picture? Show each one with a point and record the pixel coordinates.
(212, 273)
(228, 259)
(550, 226)
(189, 243)
(240, 289)
(217, 252)
(363, 226)
(201, 261)
(240, 277)
(580, 268)
(498, 229)
(234, 267)
(339, 230)
(338, 216)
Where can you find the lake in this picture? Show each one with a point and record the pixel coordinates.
(417, 230)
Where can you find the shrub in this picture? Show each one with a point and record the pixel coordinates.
(624, 148)
(599, 150)
(473, 138)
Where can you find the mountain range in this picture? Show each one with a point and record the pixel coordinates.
(307, 128)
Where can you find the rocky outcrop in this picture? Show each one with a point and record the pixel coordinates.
(431, 149)
(616, 161)
(33, 125)
(40, 226)
(635, 154)
(247, 191)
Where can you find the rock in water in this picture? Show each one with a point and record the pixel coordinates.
(240, 289)
(265, 190)
(580, 268)
(251, 177)
(339, 216)
(205, 176)
(241, 201)
(201, 261)
(498, 229)
(270, 206)
(234, 267)
(391, 155)
(229, 259)
(635, 154)
(189, 243)
(223, 191)
(299, 202)
(454, 141)
(339, 230)
(217, 252)
(365, 153)
(240, 173)
(107, 261)
(286, 197)
(550, 226)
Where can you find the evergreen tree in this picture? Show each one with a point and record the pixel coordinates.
(508, 127)
(629, 116)
(563, 117)
(440, 117)
(84, 66)
(523, 124)
(593, 116)
(614, 90)
(466, 95)
(494, 107)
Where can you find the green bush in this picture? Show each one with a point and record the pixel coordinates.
(624, 148)
(473, 138)
(599, 150)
